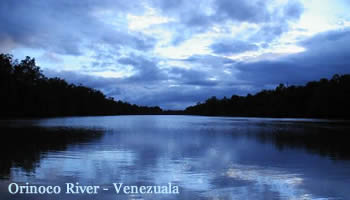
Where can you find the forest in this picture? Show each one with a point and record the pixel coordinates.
(26, 92)
(317, 99)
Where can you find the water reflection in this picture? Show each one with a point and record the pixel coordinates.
(209, 158)
(24, 147)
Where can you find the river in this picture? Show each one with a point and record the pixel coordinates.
(205, 157)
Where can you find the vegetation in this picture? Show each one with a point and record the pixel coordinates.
(317, 99)
(26, 92)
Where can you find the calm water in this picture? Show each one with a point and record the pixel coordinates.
(206, 157)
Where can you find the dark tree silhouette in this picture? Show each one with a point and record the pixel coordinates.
(26, 92)
(317, 99)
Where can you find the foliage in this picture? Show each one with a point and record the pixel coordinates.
(26, 92)
(317, 99)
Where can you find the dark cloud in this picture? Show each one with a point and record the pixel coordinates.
(119, 39)
(64, 27)
(278, 23)
(147, 70)
(248, 11)
(209, 60)
(327, 39)
(194, 77)
(205, 12)
(233, 47)
(34, 24)
(198, 16)
(293, 9)
(271, 72)
(269, 32)
(326, 54)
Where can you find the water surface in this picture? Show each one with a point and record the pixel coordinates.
(207, 157)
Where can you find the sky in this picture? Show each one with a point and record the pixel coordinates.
(175, 53)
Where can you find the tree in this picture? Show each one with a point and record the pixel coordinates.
(26, 92)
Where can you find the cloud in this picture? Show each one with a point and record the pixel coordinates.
(147, 70)
(40, 24)
(182, 76)
(293, 9)
(193, 17)
(200, 13)
(65, 27)
(326, 54)
(269, 32)
(208, 60)
(248, 11)
(233, 47)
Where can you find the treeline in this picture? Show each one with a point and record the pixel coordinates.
(26, 92)
(317, 99)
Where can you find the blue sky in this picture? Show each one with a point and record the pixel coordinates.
(177, 53)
